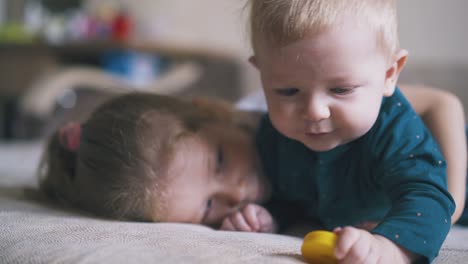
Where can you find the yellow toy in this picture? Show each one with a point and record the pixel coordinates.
(318, 247)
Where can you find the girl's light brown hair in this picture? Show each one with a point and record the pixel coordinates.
(120, 164)
(276, 23)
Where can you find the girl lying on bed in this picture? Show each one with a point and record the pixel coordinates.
(146, 157)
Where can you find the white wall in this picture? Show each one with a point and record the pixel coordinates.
(214, 23)
(430, 29)
(434, 31)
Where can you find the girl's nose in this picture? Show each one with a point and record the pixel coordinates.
(235, 193)
(231, 198)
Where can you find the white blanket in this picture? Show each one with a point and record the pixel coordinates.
(31, 232)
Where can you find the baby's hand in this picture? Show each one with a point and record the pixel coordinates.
(251, 218)
(359, 246)
(367, 225)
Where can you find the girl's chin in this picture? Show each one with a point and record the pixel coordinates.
(263, 192)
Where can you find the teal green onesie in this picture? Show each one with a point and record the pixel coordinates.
(394, 174)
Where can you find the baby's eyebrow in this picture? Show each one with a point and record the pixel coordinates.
(343, 81)
(339, 79)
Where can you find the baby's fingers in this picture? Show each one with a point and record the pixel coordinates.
(355, 246)
(347, 237)
(367, 225)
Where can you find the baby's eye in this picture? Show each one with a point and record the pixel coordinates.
(341, 91)
(219, 159)
(287, 91)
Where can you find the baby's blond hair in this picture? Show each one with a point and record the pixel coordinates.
(277, 23)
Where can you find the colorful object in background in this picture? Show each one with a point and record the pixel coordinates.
(121, 27)
(15, 33)
(57, 22)
(318, 247)
(138, 68)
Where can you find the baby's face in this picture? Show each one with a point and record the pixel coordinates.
(211, 175)
(325, 90)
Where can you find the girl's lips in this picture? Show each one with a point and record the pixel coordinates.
(263, 191)
(260, 190)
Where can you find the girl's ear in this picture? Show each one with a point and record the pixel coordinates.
(214, 108)
(392, 74)
(248, 120)
(227, 114)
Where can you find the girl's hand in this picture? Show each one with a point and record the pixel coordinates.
(359, 246)
(250, 218)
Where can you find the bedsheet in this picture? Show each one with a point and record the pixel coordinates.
(34, 232)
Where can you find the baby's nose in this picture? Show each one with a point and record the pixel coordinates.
(316, 110)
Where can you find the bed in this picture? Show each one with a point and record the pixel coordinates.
(32, 231)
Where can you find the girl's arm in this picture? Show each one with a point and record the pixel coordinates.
(443, 114)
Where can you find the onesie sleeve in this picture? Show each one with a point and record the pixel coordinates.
(268, 141)
(412, 171)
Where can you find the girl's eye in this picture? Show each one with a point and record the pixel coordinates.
(206, 210)
(287, 91)
(219, 159)
(341, 91)
(209, 204)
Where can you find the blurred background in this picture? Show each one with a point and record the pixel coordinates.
(59, 58)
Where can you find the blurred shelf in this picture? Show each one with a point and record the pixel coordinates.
(22, 64)
(94, 48)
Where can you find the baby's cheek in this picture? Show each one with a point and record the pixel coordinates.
(284, 125)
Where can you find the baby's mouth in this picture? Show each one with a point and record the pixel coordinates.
(318, 132)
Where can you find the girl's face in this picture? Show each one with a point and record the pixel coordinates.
(211, 175)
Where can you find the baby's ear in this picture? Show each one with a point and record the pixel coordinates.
(393, 72)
